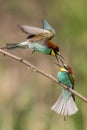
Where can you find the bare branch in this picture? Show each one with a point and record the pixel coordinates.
(32, 67)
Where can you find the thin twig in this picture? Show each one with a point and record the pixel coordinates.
(32, 67)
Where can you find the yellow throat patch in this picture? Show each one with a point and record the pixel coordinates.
(52, 53)
(62, 69)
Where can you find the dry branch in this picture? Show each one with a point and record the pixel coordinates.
(32, 67)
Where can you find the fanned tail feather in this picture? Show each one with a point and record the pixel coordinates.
(65, 108)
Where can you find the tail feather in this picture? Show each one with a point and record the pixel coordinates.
(10, 46)
(65, 108)
(57, 103)
(61, 106)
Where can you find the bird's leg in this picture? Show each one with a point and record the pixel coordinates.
(33, 51)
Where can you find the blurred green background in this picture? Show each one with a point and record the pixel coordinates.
(26, 96)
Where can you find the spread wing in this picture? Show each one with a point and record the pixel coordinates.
(31, 30)
(48, 27)
(36, 32)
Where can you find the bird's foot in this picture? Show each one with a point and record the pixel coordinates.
(33, 51)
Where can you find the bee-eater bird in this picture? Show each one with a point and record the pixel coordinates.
(65, 105)
(38, 40)
(33, 46)
(43, 35)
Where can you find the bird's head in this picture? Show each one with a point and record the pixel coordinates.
(56, 53)
(67, 68)
(55, 49)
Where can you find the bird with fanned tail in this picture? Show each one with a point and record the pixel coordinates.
(65, 104)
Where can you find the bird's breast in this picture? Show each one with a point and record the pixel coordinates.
(64, 78)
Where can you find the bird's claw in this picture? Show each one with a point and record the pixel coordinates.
(33, 51)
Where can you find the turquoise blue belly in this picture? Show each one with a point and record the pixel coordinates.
(35, 46)
(40, 48)
(63, 77)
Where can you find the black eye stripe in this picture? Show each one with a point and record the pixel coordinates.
(50, 52)
(66, 67)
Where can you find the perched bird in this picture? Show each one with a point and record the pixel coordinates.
(38, 40)
(65, 105)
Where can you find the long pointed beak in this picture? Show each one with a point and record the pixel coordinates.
(59, 57)
(58, 64)
(58, 53)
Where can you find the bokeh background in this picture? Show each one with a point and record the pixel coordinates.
(26, 96)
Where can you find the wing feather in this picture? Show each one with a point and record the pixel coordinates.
(48, 27)
(33, 30)
(38, 32)
(71, 77)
